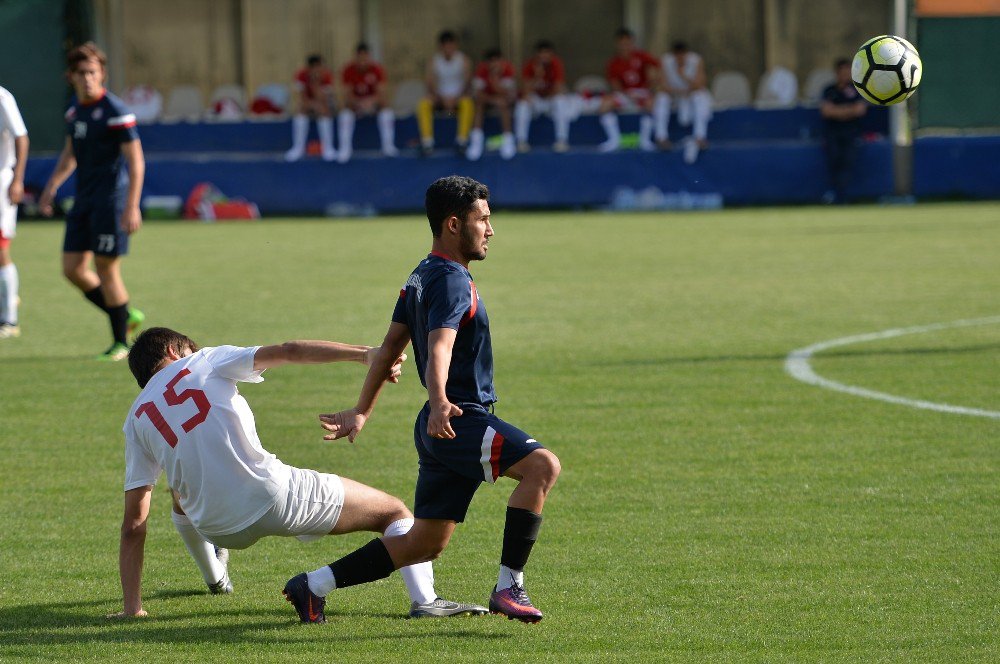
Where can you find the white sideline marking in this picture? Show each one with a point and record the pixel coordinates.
(798, 367)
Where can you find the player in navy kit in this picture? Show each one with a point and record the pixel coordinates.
(101, 142)
(460, 442)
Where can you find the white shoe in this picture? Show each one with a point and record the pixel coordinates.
(474, 151)
(691, 151)
(294, 154)
(647, 146)
(508, 149)
(390, 151)
(8, 331)
(560, 146)
(609, 145)
(442, 608)
(331, 155)
(343, 156)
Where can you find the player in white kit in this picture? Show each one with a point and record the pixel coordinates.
(685, 82)
(13, 157)
(191, 422)
(448, 77)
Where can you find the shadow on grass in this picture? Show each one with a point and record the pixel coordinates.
(79, 623)
(710, 359)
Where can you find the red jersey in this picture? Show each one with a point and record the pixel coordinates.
(630, 71)
(313, 83)
(363, 81)
(544, 76)
(495, 78)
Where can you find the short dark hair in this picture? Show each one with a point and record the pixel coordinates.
(314, 59)
(452, 196)
(491, 53)
(841, 62)
(679, 46)
(447, 36)
(624, 32)
(150, 348)
(83, 52)
(544, 45)
(361, 48)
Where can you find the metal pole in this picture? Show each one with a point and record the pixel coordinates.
(899, 120)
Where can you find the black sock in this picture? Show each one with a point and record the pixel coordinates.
(96, 296)
(119, 322)
(519, 535)
(369, 563)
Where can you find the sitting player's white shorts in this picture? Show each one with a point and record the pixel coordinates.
(309, 510)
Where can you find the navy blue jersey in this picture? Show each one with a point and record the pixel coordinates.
(98, 129)
(839, 96)
(441, 293)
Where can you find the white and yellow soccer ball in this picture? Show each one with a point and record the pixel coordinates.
(886, 70)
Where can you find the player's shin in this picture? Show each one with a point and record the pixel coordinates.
(519, 535)
(419, 578)
(203, 551)
(369, 563)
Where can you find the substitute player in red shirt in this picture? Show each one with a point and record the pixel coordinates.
(314, 83)
(494, 87)
(543, 90)
(364, 94)
(635, 77)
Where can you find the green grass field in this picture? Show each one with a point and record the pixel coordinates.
(711, 508)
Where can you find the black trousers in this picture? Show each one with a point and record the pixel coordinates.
(841, 155)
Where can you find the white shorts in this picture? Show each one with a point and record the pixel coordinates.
(309, 510)
(8, 211)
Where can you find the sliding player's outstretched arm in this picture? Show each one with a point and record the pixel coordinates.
(324, 352)
(350, 422)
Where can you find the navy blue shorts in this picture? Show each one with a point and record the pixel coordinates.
(94, 225)
(483, 448)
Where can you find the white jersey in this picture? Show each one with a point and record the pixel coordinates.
(11, 126)
(688, 70)
(450, 75)
(191, 422)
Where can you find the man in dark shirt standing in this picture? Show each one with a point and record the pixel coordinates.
(101, 142)
(459, 441)
(841, 108)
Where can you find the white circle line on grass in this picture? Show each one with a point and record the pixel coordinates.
(798, 367)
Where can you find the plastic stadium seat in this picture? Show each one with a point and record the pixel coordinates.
(228, 102)
(144, 101)
(185, 102)
(270, 99)
(778, 88)
(406, 96)
(731, 88)
(816, 83)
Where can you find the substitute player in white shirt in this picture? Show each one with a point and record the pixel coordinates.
(191, 422)
(13, 157)
(685, 82)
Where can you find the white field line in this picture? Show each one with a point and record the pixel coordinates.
(797, 365)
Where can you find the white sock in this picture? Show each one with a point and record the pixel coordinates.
(509, 577)
(300, 130)
(8, 294)
(200, 549)
(560, 117)
(645, 131)
(324, 125)
(321, 581)
(387, 130)
(610, 123)
(419, 578)
(522, 120)
(345, 131)
(661, 115)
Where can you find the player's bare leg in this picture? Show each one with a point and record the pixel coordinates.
(536, 474)
(368, 509)
(212, 561)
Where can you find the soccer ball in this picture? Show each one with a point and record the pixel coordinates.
(886, 70)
